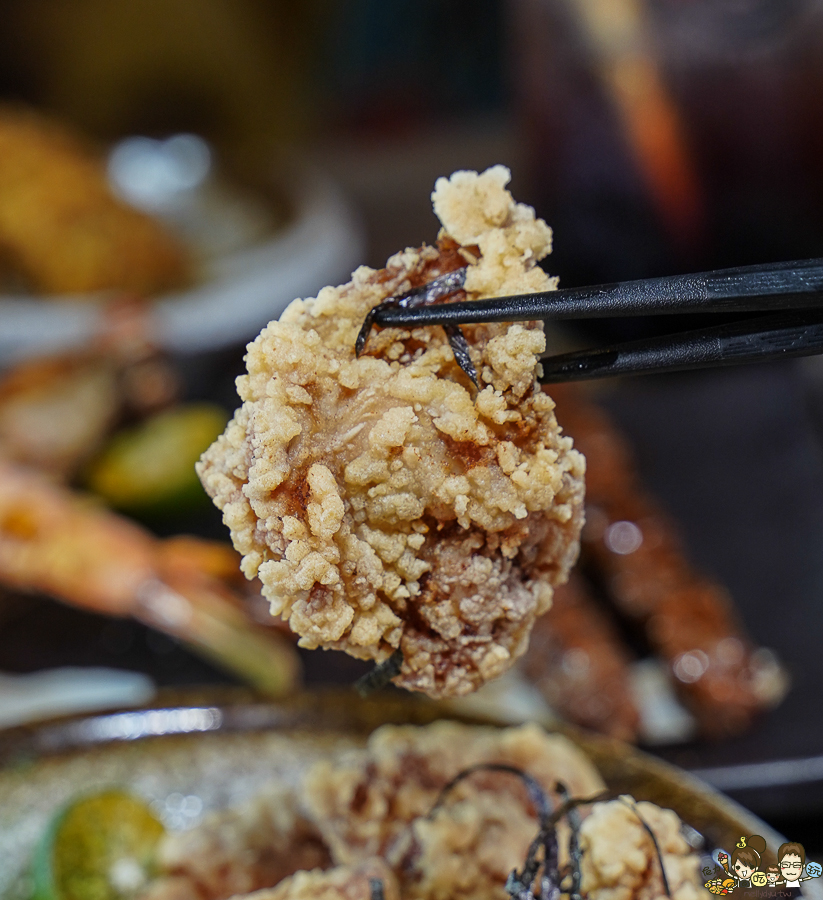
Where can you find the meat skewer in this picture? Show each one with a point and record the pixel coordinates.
(577, 661)
(687, 619)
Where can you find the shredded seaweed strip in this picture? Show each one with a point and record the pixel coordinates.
(536, 793)
(380, 676)
(574, 802)
(575, 853)
(376, 889)
(645, 824)
(519, 884)
(460, 348)
(431, 292)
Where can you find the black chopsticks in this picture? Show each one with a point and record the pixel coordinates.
(795, 333)
(794, 290)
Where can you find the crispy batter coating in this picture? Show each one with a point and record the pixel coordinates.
(376, 803)
(382, 501)
(340, 883)
(238, 850)
(619, 859)
(62, 231)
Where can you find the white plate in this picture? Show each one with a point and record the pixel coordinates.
(321, 245)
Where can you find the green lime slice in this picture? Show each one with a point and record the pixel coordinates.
(100, 847)
(151, 467)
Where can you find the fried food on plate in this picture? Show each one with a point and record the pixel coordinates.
(386, 503)
(619, 859)
(363, 801)
(62, 231)
(380, 813)
(340, 883)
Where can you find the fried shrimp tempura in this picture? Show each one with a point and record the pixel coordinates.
(62, 231)
(385, 503)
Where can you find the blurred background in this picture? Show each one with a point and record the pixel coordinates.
(286, 143)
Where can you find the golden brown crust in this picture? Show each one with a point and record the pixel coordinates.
(382, 503)
(62, 231)
(467, 850)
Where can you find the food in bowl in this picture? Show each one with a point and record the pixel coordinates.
(440, 811)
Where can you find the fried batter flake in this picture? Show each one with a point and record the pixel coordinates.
(383, 502)
(373, 814)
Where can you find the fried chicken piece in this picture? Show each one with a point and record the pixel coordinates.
(467, 849)
(619, 861)
(238, 850)
(577, 661)
(341, 883)
(384, 502)
(375, 810)
(376, 802)
(62, 230)
(688, 619)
